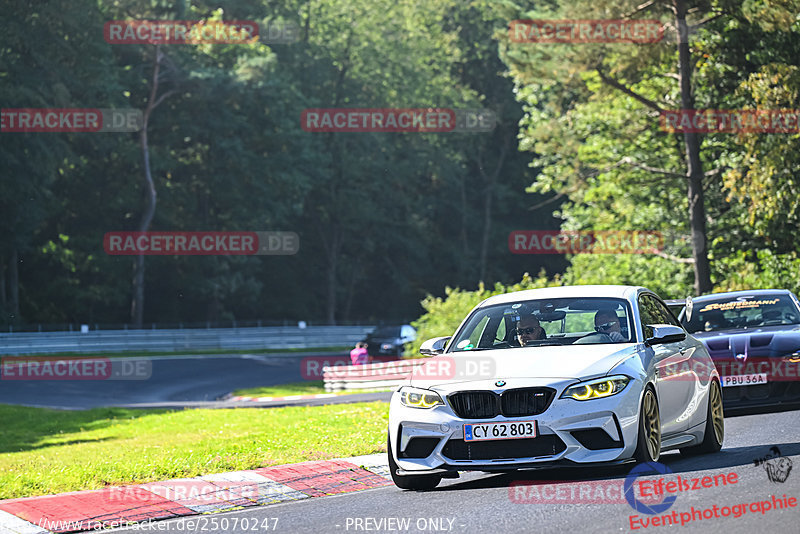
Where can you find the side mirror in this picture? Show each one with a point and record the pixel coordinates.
(656, 334)
(434, 346)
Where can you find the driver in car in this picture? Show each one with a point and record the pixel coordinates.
(529, 329)
(607, 322)
(714, 320)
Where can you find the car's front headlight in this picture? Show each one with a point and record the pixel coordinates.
(597, 388)
(419, 398)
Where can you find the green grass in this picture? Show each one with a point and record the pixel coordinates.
(311, 387)
(297, 388)
(46, 451)
(206, 352)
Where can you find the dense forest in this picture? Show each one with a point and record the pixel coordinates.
(386, 218)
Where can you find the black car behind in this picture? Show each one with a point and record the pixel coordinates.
(389, 340)
(754, 339)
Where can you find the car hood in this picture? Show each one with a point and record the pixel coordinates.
(560, 363)
(761, 342)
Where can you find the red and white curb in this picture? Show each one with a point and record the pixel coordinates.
(118, 506)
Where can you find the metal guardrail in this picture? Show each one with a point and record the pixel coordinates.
(161, 325)
(279, 337)
(369, 376)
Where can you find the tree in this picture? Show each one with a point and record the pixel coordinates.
(153, 101)
(574, 94)
(39, 68)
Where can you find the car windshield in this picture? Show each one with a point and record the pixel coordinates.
(534, 323)
(386, 331)
(741, 312)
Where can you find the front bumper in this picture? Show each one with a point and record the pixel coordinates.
(761, 395)
(570, 432)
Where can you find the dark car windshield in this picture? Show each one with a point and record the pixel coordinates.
(536, 323)
(386, 331)
(741, 312)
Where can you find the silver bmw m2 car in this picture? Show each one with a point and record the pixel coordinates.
(557, 376)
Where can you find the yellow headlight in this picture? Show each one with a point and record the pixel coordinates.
(596, 389)
(583, 396)
(419, 398)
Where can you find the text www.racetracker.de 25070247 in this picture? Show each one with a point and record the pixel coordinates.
(183, 524)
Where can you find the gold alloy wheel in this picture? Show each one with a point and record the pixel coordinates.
(652, 425)
(716, 412)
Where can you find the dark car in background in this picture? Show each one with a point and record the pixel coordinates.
(389, 340)
(754, 339)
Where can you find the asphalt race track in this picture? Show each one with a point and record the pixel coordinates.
(480, 502)
(175, 381)
(477, 502)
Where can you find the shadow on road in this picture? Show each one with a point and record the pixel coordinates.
(725, 459)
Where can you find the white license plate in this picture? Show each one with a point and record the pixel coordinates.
(491, 431)
(744, 380)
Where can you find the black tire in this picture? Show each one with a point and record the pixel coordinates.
(413, 482)
(648, 442)
(715, 425)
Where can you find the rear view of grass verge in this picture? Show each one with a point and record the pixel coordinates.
(46, 451)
